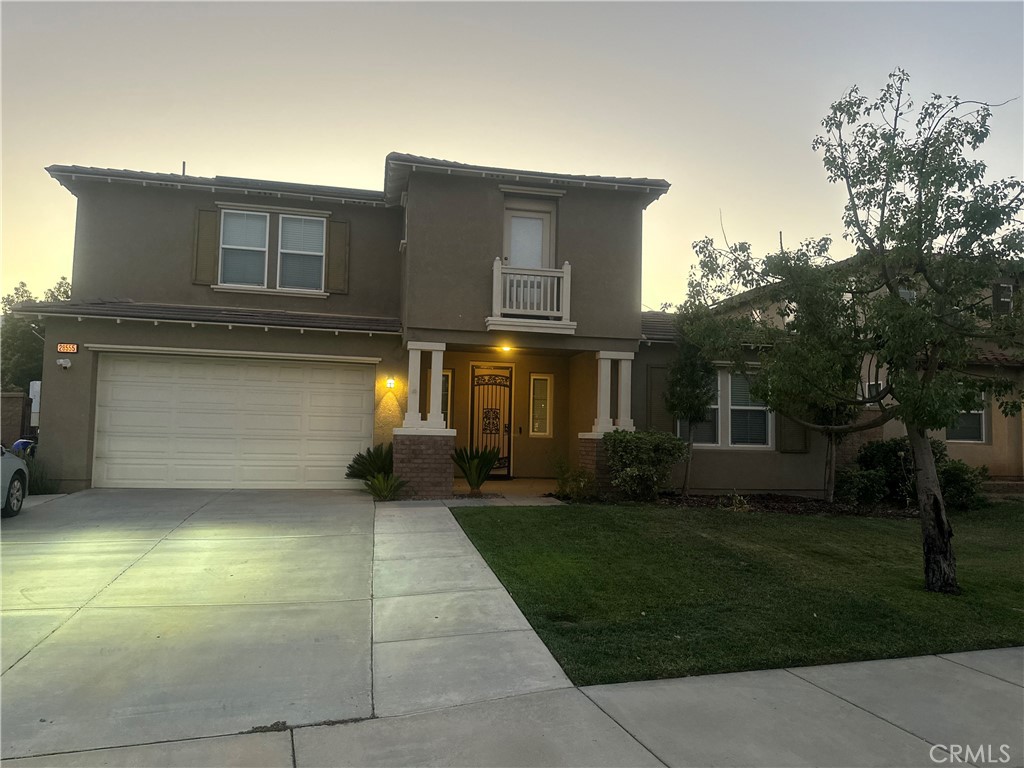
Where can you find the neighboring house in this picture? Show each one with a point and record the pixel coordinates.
(743, 446)
(235, 333)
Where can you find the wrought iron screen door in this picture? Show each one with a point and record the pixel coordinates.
(491, 414)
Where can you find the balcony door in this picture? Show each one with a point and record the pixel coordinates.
(529, 234)
(491, 414)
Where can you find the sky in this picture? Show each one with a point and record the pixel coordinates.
(722, 99)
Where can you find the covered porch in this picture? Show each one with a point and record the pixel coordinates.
(542, 408)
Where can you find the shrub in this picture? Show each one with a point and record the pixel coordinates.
(639, 462)
(475, 465)
(384, 487)
(896, 462)
(893, 462)
(860, 486)
(961, 484)
(574, 485)
(379, 460)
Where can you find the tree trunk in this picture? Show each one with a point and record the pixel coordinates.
(689, 460)
(936, 532)
(829, 490)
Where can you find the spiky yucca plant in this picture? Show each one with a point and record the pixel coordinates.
(379, 460)
(476, 465)
(384, 487)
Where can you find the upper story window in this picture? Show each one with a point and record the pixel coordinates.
(243, 248)
(529, 233)
(246, 258)
(263, 249)
(1002, 298)
(301, 253)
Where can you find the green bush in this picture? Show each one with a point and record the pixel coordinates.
(639, 462)
(574, 485)
(896, 462)
(384, 487)
(379, 460)
(475, 465)
(961, 484)
(893, 462)
(860, 486)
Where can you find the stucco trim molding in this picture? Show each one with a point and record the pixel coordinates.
(199, 352)
(530, 326)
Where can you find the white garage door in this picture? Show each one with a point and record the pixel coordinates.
(201, 422)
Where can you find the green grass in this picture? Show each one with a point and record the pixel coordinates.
(641, 592)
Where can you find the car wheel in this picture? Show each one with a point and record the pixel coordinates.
(15, 496)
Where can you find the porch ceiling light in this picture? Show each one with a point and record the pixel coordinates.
(506, 349)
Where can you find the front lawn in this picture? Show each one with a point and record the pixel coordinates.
(641, 592)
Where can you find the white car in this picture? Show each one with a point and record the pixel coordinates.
(14, 481)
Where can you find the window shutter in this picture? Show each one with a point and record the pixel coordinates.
(207, 248)
(792, 436)
(337, 257)
(658, 417)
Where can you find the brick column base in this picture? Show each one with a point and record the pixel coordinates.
(425, 462)
(592, 458)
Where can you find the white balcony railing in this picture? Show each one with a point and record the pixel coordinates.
(539, 294)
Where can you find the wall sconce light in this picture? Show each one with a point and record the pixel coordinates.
(64, 363)
(506, 349)
(389, 382)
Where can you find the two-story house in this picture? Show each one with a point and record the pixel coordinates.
(228, 332)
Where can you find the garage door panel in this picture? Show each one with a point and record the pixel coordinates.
(280, 399)
(139, 473)
(166, 421)
(202, 445)
(270, 447)
(199, 397)
(129, 420)
(204, 422)
(354, 425)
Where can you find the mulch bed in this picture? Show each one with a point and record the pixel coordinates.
(790, 505)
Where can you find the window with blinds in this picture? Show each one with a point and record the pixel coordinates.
(969, 427)
(301, 250)
(243, 248)
(748, 417)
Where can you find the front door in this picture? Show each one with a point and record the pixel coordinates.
(491, 414)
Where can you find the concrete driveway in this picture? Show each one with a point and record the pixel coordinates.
(138, 617)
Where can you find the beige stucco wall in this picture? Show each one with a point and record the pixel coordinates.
(135, 242)
(455, 231)
(67, 415)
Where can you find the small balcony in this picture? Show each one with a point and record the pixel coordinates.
(533, 300)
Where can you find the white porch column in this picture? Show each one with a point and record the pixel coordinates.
(435, 417)
(625, 420)
(412, 413)
(603, 420)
